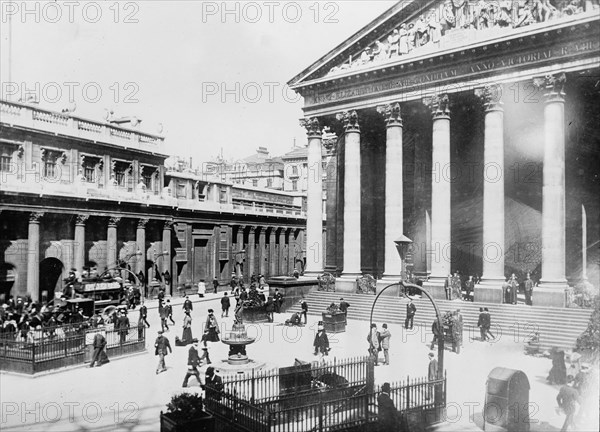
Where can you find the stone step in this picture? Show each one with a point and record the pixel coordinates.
(557, 327)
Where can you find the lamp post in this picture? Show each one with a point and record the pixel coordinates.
(238, 270)
(402, 245)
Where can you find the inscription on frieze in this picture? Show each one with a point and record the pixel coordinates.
(420, 80)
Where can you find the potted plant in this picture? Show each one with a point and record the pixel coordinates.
(185, 414)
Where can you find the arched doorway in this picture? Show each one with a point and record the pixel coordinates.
(50, 272)
(7, 280)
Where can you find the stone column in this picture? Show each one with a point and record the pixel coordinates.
(33, 256)
(314, 199)
(251, 251)
(493, 196)
(282, 256)
(291, 250)
(79, 243)
(272, 253)
(394, 214)
(140, 240)
(239, 245)
(167, 246)
(352, 240)
(553, 281)
(262, 265)
(440, 247)
(111, 242)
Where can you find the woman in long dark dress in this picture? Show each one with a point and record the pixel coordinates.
(558, 373)
(186, 337)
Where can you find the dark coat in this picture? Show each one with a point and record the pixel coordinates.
(321, 342)
(225, 303)
(388, 415)
(99, 341)
(161, 345)
(193, 357)
(411, 309)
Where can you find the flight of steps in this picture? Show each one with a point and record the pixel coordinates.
(558, 327)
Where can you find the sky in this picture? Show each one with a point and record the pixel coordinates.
(210, 75)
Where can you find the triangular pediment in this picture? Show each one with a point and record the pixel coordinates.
(412, 29)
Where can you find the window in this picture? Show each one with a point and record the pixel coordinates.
(89, 172)
(269, 182)
(147, 177)
(223, 195)
(5, 163)
(295, 170)
(294, 185)
(255, 183)
(181, 192)
(50, 168)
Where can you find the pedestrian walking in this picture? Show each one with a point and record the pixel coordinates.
(187, 304)
(481, 324)
(448, 286)
(432, 375)
(169, 311)
(387, 415)
(304, 307)
(193, 363)
(558, 373)
(162, 347)
(321, 342)
(225, 305)
(456, 330)
(143, 316)
(186, 336)
(216, 284)
(385, 336)
(99, 349)
(568, 402)
(211, 328)
(162, 313)
(411, 309)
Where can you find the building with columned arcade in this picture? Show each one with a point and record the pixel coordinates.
(470, 128)
(77, 193)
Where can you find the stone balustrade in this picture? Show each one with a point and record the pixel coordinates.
(32, 117)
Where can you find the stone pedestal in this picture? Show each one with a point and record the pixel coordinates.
(488, 292)
(436, 289)
(552, 295)
(293, 289)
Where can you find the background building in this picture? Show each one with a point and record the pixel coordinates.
(85, 194)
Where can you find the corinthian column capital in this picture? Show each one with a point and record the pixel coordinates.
(490, 96)
(554, 85)
(312, 126)
(34, 217)
(391, 113)
(439, 104)
(349, 120)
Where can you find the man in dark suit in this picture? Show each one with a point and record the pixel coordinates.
(481, 324)
(528, 290)
(225, 305)
(193, 363)
(411, 309)
(387, 413)
(187, 304)
(99, 346)
(122, 325)
(432, 374)
(213, 384)
(161, 346)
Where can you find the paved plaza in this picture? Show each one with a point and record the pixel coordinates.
(127, 395)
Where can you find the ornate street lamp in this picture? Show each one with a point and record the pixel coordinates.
(402, 245)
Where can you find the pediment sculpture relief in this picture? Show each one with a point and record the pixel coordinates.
(431, 27)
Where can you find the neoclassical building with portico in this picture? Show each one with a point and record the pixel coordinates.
(470, 128)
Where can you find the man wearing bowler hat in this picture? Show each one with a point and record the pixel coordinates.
(193, 363)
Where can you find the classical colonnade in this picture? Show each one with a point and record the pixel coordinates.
(553, 220)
